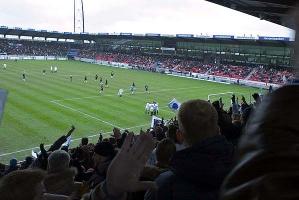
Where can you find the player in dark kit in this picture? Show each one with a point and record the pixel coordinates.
(133, 84)
(85, 79)
(44, 72)
(96, 78)
(24, 77)
(271, 89)
(101, 80)
(112, 74)
(146, 88)
(101, 89)
(71, 78)
(106, 83)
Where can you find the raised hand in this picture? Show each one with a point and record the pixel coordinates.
(125, 169)
(70, 131)
(243, 99)
(233, 98)
(116, 133)
(42, 146)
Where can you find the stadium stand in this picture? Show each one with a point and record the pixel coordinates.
(262, 136)
(262, 74)
(277, 75)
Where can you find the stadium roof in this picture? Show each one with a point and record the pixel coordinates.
(265, 40)
(271, 10)
(46, 34)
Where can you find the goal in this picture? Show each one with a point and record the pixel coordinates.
(226, 98)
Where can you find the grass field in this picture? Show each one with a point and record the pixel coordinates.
(44, 107)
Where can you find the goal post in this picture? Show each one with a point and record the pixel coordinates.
(218, 95)
(226, 98)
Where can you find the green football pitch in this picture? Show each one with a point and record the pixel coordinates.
(43, 107)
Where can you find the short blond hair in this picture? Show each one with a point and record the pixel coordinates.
(197, 120)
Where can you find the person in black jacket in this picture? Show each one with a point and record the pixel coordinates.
(198, 171)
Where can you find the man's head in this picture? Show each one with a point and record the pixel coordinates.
(165, 150)
(58, 160)
(256, 97)
(103, 151)
(216, 105)
(22, 185)
(171, 132)
(197, 120)
(84, 141)
(13, 162)
(236, 117)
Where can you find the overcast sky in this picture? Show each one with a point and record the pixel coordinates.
(137, 16)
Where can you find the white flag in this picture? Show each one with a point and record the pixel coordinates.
(155, 120)
(68, 142)
(34, 154)
(174, 104)
(3, 97)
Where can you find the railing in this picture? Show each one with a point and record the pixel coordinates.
(26, 57)
(197, 76)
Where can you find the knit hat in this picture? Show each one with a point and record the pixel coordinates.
(104, 149)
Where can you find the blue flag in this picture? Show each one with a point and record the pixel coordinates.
(174, 105)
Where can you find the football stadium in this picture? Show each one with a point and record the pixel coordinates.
(150, 116)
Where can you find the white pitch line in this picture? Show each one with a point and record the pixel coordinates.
(167, 110)
(126, 93)
(85, 114)
(91, 136)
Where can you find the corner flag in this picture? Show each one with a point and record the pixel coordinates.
(174, 104)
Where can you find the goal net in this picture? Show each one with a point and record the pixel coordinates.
(226, 98)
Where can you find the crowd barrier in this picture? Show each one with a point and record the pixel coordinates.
(100, 62)
(17, 57)
(197, 76)
(221, 79)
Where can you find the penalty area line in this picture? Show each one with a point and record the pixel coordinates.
(85, 114)
(126, 93)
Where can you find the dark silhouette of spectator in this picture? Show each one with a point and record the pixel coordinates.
(84, 141)
(196, 172)
(13, 166)
(267, 166)
(28, 161)
(60, 178)
(22, 185)
(103, 154)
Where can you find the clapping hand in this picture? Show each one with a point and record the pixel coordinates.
(125, 169)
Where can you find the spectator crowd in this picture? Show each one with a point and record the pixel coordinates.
(186, 157)
(276, 75)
